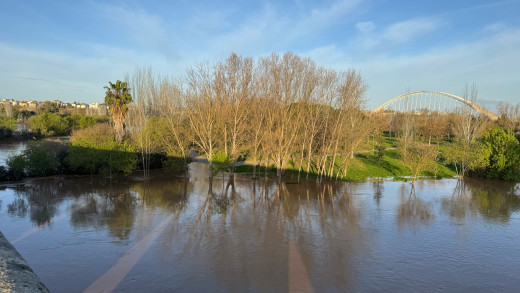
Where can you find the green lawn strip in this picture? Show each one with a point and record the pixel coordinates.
(362, 167)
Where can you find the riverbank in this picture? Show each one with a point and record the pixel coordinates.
(15, 273)
(363, 167)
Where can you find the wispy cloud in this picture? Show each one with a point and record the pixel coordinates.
(406, 30)
(373, 37)
(365, 27)
(34, 78)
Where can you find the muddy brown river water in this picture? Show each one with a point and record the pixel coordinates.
(174, 234)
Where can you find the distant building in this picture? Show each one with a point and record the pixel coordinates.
(32, 104)
(98, 105)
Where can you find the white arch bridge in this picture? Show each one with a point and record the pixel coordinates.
(433, 101)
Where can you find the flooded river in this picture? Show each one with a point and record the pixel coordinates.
(10, 148)
(173, 234)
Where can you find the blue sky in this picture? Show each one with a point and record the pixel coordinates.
(69, 50)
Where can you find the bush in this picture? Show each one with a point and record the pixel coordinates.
(49, 124)
(96, 134)
(220, 162)
(3, 173)
(95, 150)
(16, 166)
(7, 127)
(176, 164)
(44, 158)
(504, 159)
(77, 121)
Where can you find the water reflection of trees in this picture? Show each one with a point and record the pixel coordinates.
(39, 199)
(114, 209)
(378, 191)
(413, 210)
(495, 201)
(250, 236)
(102, 205)
(117, 208)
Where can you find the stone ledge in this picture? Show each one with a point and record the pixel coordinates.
(15, 273)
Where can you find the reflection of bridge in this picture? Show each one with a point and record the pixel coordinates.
(433, 101)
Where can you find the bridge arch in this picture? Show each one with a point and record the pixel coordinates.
(481, 110)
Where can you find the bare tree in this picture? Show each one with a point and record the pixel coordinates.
(467, 127)
(468, 124)
(141, 125)
(509, 116)
(177, 137)
(418, 157)
(201, 110)
(284, 83)
(356, 126)
(234, 80)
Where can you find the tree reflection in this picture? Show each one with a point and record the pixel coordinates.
(114, 209)
(249, 240)
(378, 191)
(39, 199)
(168, 194)
(413, 210)
(495, 200)
(18, 207)
(460, 204)
(117, 207)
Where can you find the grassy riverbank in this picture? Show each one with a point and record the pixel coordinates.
(363, 167)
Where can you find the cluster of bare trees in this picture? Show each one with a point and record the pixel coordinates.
(274, 110)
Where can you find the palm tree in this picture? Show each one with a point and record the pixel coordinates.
(117, 97)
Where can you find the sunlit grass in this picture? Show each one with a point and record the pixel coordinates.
(362, 167)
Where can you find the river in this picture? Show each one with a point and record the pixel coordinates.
(174, 234)
(9, 148)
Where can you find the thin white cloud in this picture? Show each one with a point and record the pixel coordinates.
(494, 27)
(365, 27)
(371, 38)
(324, 16)
(406, 30)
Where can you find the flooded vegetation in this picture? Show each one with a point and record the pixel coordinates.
(189, 235)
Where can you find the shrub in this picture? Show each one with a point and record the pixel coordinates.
(41, 159)
(16, 166)
(49, 124)
(77, 121)
(96, 134)
(504, 159)
(95, 150)
(220, 162)
(7, 127)
(3, 173)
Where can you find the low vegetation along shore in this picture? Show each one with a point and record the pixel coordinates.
(286, 114)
